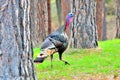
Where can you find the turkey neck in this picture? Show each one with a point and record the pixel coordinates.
(66, 25)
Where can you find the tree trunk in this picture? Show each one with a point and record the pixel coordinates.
(59, 11)
(39, 21)
(16, 46)
(104, 22)
(65, 8)
(84, 27)
(100, 17)
(117, 18)
(49, 16)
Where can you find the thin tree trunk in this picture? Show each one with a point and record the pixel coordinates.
(16, 46)
(39, 21)
(65, 8)
(49, 16)
(100, 18)
(84, 27)
(104, 22)
(59, 11)
(117, 18)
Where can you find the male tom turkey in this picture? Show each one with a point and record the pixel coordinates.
(55, 42)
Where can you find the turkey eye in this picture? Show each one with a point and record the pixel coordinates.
(71, 14)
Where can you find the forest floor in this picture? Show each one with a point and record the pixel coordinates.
(102, 63)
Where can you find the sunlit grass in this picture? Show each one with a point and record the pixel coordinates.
(102, 60)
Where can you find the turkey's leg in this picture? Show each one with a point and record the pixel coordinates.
(60, 57)
(51, 57)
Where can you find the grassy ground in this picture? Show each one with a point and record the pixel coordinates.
(101, 63)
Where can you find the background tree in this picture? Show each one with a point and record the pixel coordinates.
(16, 43)
(39, 21)
(63, 8)
(104, 21)
(100, 19)
(118, 18)
(49, 16)
(59, 11)
(84, 27)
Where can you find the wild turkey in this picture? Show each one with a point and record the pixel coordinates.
(55, 42)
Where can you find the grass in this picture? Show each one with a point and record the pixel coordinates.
(83, 63)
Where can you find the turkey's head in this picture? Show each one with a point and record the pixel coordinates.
(69, 19)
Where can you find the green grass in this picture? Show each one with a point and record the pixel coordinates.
(103, 60)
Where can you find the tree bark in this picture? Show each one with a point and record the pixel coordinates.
(39, 21)
(16, 45)
(117, 18)
(104, 22)
(84, 26)
(49, 16)
(100, 19)
(59, 11)
(65, 8)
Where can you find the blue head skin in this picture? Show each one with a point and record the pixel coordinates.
(69, 19)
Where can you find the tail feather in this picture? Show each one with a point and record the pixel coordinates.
(43, 55)
(39, 59)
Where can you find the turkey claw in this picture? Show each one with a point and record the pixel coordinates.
(66, 63)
